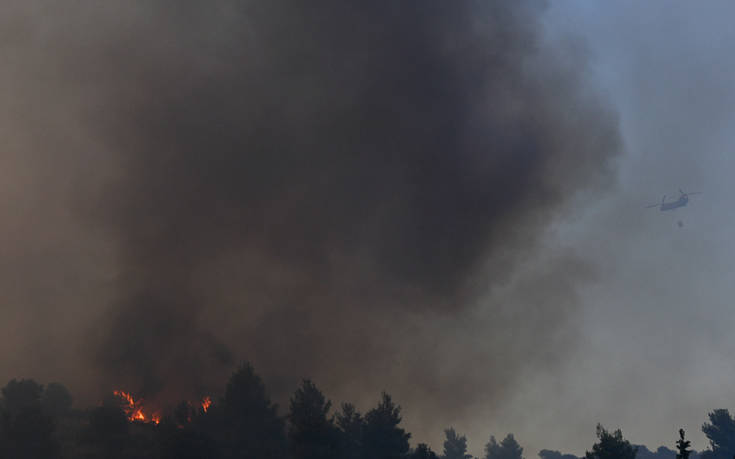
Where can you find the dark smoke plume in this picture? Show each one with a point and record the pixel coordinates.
(324, 188)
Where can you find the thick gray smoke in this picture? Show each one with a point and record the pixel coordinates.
(326, 189)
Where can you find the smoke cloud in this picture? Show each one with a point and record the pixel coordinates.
(357, 192)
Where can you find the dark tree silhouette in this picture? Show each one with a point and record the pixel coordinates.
(246, 423)
(455, 445)
(311, 434)
(720, 431)
(611, 446)
(549, 454)
(185, 442)
(506, 449)
(382, 438)
(682, 446)
(422, 451)
(18, 396)
(109, 430)
(39, 423)
(25, 431)
(56, 400)
(351, 425)
(183, 414)
(181, 435)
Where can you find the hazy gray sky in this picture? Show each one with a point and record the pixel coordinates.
(656, 342)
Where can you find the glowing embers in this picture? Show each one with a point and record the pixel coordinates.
(134, 410)
(206, 403)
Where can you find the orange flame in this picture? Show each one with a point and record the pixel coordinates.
(125, 396)
(133, 410)
(206, 403)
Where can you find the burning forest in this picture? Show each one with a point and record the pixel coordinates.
(39, 422)
(299, 185)
(134, 409)
(408, 196)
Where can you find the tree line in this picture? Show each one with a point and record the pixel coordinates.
(38, 422)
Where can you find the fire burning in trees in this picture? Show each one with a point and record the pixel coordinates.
(133, 409)
(136, 412)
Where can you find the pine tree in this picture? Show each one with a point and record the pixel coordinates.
(382, 438)
(311, 434)
(506, 449)
(455, 446)
(683, 446)
(247, 424)
(351, 426)
(720, 432)
(422, 451)
(611, 446)
(25, 430)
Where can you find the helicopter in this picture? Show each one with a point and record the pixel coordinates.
(673, 205)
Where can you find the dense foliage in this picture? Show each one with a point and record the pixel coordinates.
(611, 446)
(38, 422)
